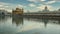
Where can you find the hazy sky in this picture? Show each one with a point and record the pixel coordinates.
(31, 5)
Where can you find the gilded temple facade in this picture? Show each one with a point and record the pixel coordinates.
(18, 11)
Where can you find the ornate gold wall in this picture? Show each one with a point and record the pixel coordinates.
(17, 11)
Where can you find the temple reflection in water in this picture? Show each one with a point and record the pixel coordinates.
(23, 25)
(17, 20)
(45, 20)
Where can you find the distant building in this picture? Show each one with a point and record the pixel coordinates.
(46, 9)
(18, 11)
(3, 12)
(58, 9)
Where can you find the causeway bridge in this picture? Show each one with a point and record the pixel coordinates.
(53, 16)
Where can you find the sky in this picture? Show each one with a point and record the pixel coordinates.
(29, 5)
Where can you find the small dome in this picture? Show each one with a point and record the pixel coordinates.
(59, 10)
(17, 8)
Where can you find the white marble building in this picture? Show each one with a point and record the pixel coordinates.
(3, 12)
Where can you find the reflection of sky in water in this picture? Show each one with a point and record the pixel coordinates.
(35, 27)
(6, 26)
(29, 26)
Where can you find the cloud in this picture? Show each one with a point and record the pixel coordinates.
(1, 5)
(9, 6)
(42, 7)
(20, 6)
(50, 2)
(32, 0)
(4, 6)
(36, 0)
(32, 5)
(43, 1)
(56, 0)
